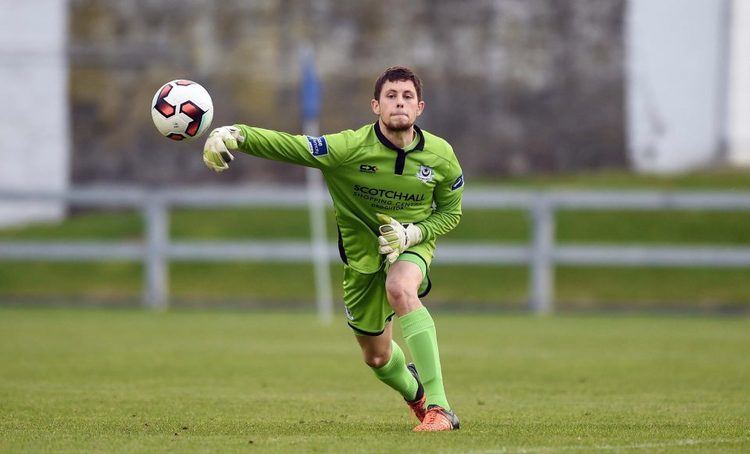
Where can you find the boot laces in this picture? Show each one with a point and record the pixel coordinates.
(432, 416)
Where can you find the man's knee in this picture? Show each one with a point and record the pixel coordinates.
(377, 359)
(402, 283)
(399, 289)
(376, 350)
(377, 354)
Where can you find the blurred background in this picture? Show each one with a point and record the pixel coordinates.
(534, 95)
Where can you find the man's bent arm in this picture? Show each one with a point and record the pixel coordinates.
(447, 213)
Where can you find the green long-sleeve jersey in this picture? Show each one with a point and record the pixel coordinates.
(367, 174)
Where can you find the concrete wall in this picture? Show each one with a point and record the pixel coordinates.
(739, 85)
(676, 83)
(34, 132)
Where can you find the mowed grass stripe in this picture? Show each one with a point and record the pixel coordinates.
(454, 287)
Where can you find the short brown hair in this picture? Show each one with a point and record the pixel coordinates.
(395, 73)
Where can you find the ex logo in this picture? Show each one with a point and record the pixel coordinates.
(366, 168)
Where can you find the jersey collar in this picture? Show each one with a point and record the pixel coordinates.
(384, 140)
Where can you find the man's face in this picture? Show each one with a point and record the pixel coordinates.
(398, 106)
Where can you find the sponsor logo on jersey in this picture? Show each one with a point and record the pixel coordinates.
(387, 194)
(367, 168)
(426, 174)
(318, 146)
(458, 183)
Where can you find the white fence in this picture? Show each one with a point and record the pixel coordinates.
(541, 255)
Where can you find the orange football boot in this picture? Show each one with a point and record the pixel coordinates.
(417, 405)
(438, 419)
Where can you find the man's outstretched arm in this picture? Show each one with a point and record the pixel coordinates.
(320, 152)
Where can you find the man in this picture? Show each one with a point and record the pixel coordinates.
(380, 176)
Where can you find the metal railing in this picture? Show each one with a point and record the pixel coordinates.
(541, 255)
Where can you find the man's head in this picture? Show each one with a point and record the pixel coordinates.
(396, 73)
(398, 98)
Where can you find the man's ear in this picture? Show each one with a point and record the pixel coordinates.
(375, 105)
(420, 108)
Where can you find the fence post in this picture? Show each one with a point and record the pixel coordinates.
(542, 266)
(319, 245)
(155, 261)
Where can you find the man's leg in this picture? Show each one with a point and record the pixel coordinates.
(402, 284)
(387, 361)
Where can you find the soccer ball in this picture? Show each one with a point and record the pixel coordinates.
(182, 110)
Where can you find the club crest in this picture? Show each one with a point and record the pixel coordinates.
(425, 174)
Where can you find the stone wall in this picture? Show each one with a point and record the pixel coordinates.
(516, 86)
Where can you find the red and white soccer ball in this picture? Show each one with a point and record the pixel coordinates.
(182, 110)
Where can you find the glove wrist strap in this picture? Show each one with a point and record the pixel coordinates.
(413, 234)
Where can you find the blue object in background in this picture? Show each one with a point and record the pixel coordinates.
(311, 89)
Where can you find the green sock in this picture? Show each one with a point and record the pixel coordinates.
(420, 336)
(396, 375)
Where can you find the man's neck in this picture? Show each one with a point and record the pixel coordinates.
(401, 139)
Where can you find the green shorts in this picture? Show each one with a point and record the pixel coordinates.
(365, 300)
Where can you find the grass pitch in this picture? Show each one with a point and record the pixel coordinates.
(132, 381)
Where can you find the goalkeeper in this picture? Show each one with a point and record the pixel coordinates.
(395, 189)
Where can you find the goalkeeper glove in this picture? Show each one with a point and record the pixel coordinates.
(216, 153)
(395, 238)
